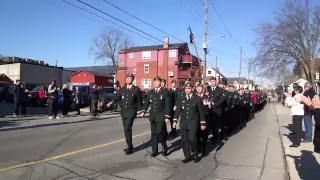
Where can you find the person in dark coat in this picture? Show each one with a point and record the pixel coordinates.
(17, 98)
(94, 96)
(77, 100)
(130, 101)
(174, 93)
(190, 109)
(308, 92)
(66, 100)
(159, 99)
(217, 100)
(53, 100)
(24, 99)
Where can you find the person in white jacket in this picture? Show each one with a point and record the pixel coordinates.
(297, 112)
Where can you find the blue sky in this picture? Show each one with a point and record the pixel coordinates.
(52, 30)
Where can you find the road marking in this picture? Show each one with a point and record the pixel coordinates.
(68, 154)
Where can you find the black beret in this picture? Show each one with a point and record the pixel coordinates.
(130, 75)
(173, 81)
(188, 79)
(163, 80)
(213, 78)
(157, 79)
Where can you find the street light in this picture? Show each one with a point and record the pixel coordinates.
(204, 44)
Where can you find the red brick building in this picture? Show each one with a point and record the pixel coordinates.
(87, 78)
(5, 80)
(169, 61)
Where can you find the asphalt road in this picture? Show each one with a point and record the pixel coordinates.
(93, 150)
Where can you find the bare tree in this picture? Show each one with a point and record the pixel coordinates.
(293, 37)
(107, 44)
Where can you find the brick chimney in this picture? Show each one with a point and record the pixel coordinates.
(166, 42)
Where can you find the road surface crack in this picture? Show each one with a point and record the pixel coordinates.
(264, 159)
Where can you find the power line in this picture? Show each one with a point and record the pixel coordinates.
(107, 20)
(119, 20)
(142, 20)
(223, 22)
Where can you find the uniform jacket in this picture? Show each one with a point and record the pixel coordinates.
(204, 97)
(191, 112)
(316, 139)
(130, 100)
(161, 105)
(217, 98)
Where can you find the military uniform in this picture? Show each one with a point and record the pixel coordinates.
(130, 102)
(159, 100)
(217, 100)
(174, 93)
(191, 110)
(223, 119)
(203, 134)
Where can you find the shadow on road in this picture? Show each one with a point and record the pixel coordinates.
(307, 165)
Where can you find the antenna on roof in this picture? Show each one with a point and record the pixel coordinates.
(56, 63)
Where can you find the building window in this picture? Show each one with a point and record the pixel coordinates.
(134, 71)
(121, 61)
(146, 83)
(146, 68)
(209, 72)
(146, 54)
(131, 55)
(173, 53)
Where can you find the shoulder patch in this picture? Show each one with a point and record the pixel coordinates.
(235, 96)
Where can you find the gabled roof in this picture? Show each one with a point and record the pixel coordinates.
(242, 79)
(96, 70)
(290, 79)
(149, 48)
(94, 73)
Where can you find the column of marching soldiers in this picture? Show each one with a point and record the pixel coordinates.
(200, 110)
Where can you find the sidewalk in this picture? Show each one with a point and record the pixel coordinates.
(32, 121)
(302, 163)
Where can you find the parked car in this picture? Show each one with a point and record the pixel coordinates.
(34, 95)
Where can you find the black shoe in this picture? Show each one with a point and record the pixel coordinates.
(204, 152)
(186, 160)
(293, 146)
(165, 150)
(128, 151)
(195, 158)
(292, 133)
(154, 154)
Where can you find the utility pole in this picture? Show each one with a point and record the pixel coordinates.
(248, 73)
(205, 43)
(56, 63)
(217, 71)
(195, 47)
(240, 66)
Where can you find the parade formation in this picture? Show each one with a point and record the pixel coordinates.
(201, 110)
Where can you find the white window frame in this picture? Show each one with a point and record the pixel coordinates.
(146, 54)
(209, 72)
(121, 61)
(173, 53)
(146, 83)
(144, 68)
(131, 55)
(134, 71)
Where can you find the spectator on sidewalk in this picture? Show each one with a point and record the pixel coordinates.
(53, 100)
(308, 92)
(24, 99)
(42, 95)
(77, 100)
(66, 100)
(16, 91)
(315, 105)
(297, 112)
(94, 96)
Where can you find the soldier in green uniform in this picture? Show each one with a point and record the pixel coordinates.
(234, 109)
(174, 93)
(223, 119)
(159, 99)
(130, 102)
(197, 83)
(163, 83)
(191, 110)
(248, 100)
(241, 106)
(203, 134)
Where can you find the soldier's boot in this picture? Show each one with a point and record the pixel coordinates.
(128, 150)
(165, 149)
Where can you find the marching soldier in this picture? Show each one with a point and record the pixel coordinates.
(159, 99)
(248, 100)
(203, 134)
(241, 106)
(163, 83)
(191, 110)
(223, 119)
(233, 108)
(130, 101)
(217, 100)
(174, 93)
(196, 86)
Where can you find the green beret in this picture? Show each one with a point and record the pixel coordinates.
(188, 84)
(163, 80)
(173, 81)
(157, 79)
